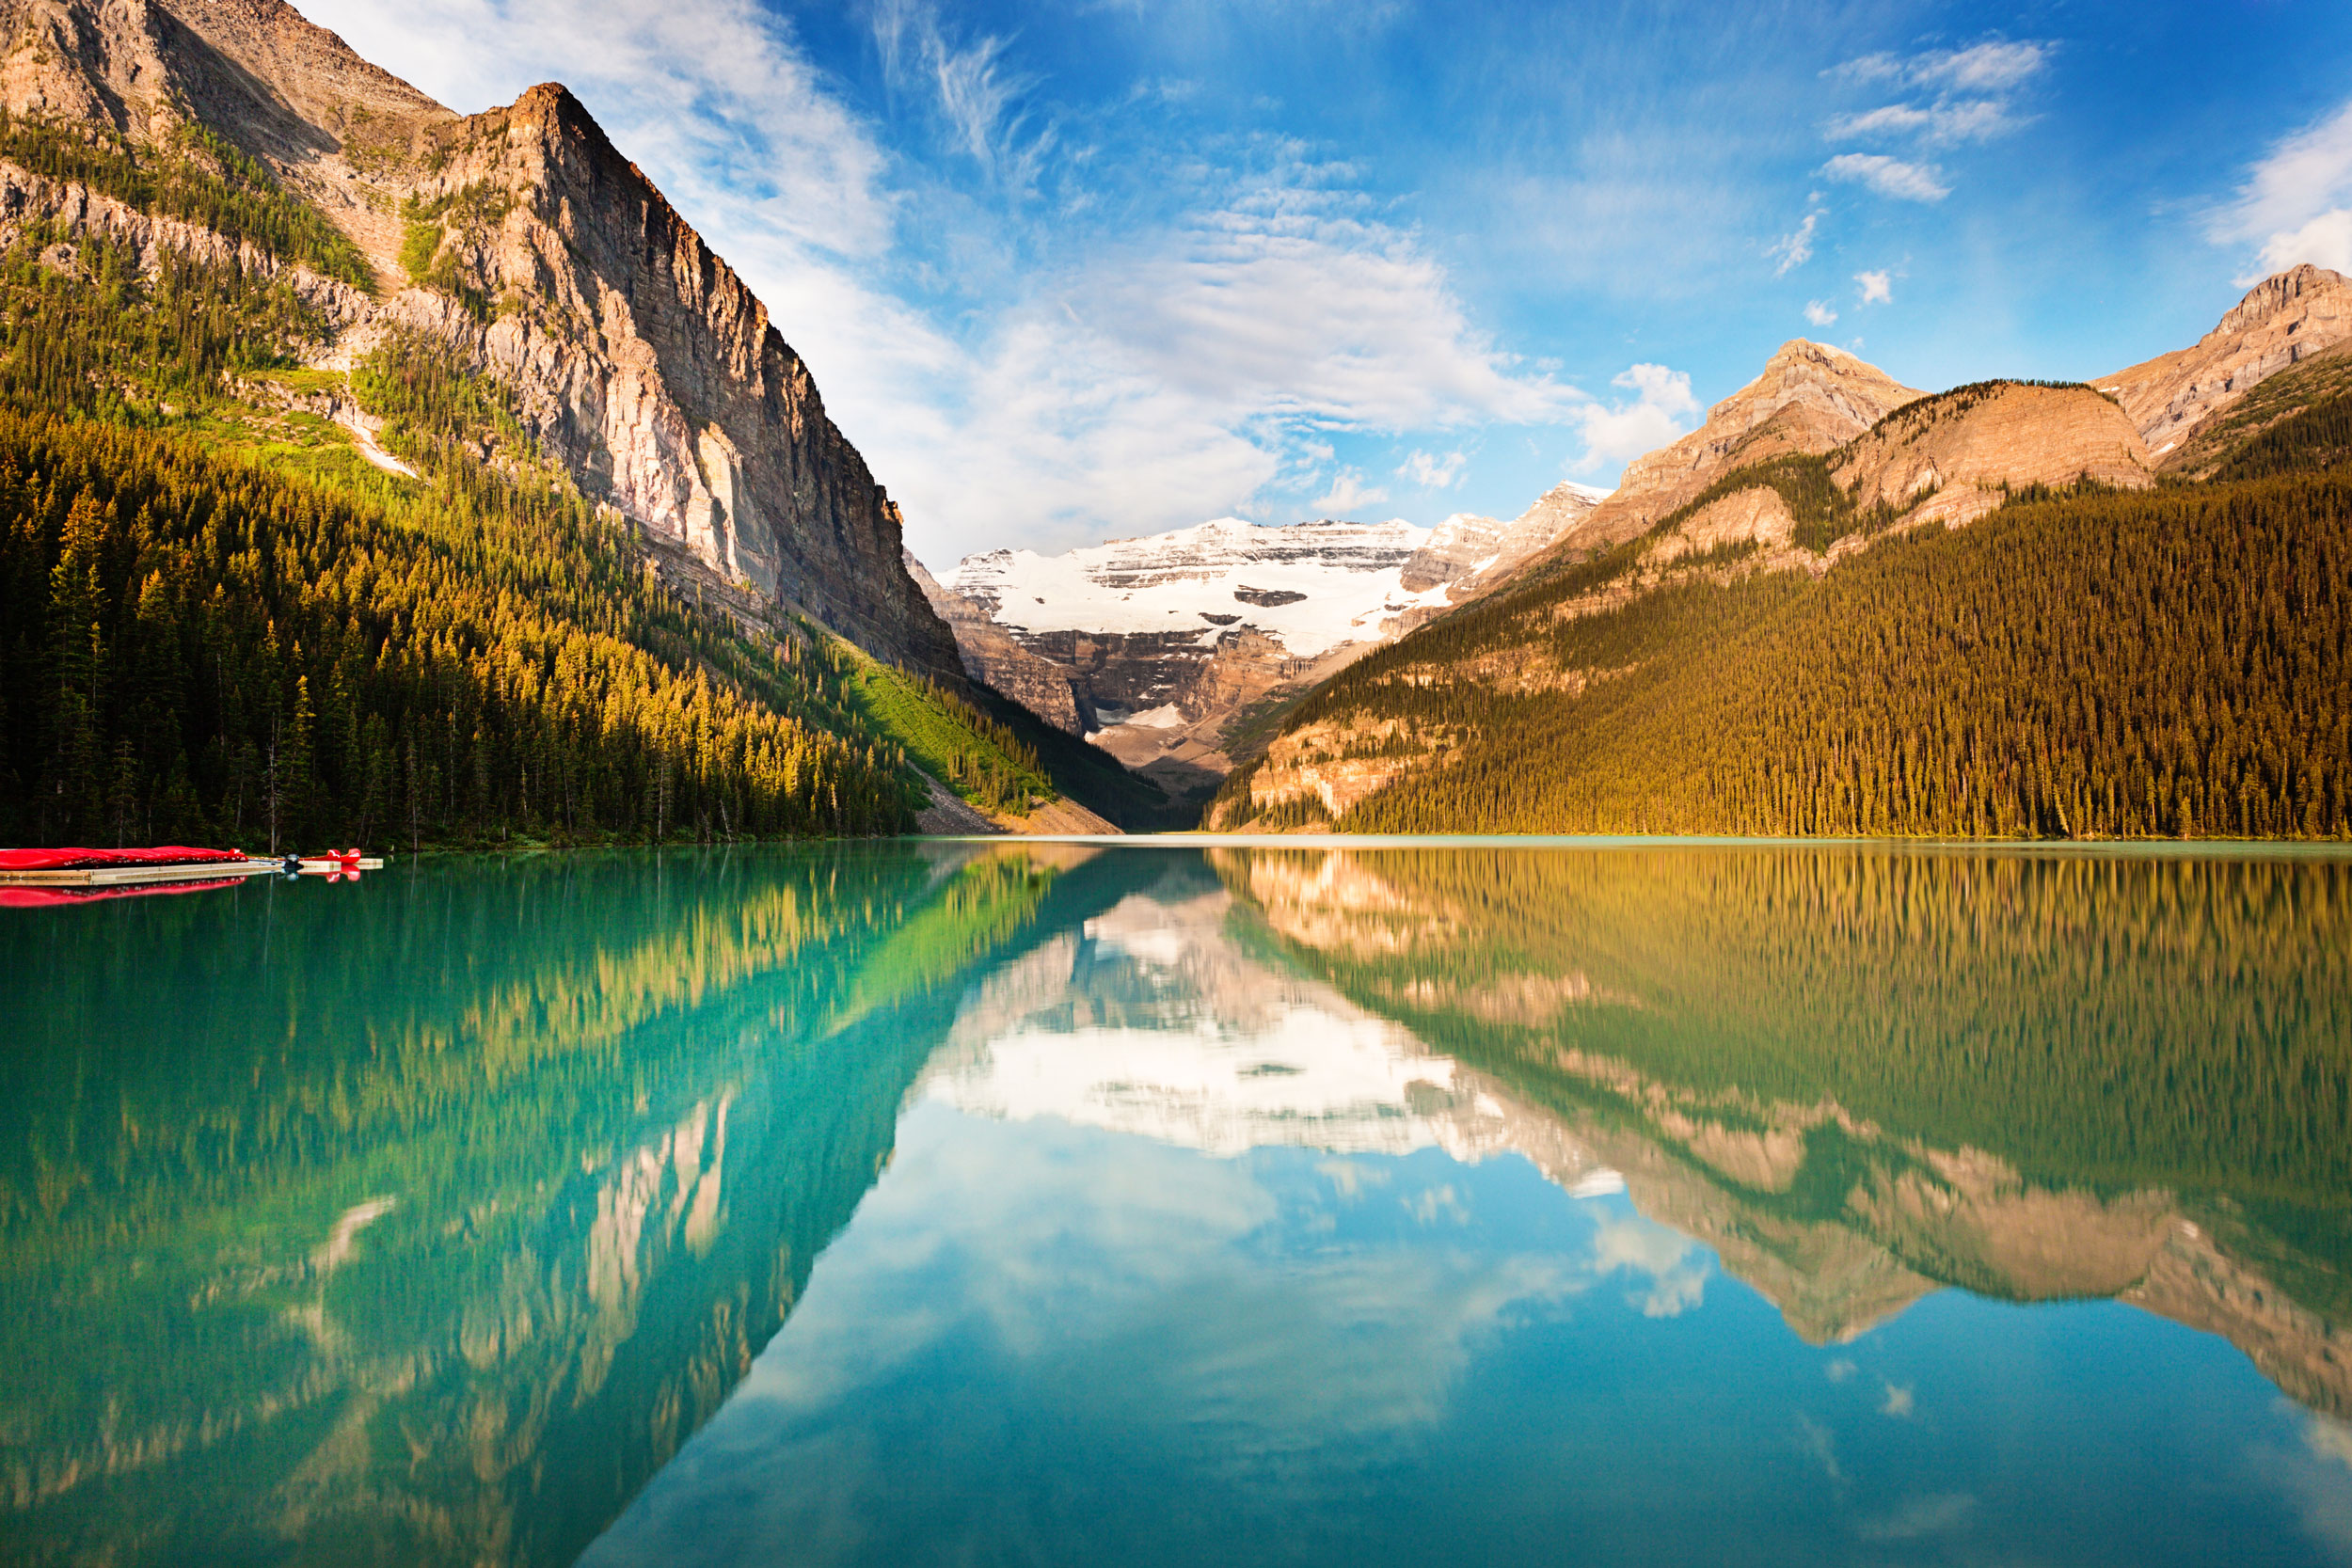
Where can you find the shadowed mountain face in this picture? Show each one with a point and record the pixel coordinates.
(1862, 1075)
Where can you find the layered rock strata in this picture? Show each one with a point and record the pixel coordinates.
(2283, 321)
(637, 357)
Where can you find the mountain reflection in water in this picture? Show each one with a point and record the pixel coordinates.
(430, 1220)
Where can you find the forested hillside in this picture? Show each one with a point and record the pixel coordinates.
(2176, 662)
(218, 622)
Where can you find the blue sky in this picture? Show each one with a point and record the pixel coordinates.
(1069, 271)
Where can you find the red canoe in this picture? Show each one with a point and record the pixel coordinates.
(93, 860)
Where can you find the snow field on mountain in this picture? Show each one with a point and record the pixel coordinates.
(1344, 576)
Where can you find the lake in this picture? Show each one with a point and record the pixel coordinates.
(929, 1202)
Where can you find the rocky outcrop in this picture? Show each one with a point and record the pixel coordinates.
(638, 358)
(642, 360)
(1810, 399)
(1952, 458)
(1468, 556)
(70, 208)
(2283, 321)
(992, 657)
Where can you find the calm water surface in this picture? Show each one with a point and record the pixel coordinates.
(1009, 1204)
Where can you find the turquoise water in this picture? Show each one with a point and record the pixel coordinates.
(951, 1203)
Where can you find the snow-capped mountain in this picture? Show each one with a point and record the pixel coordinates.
(1309, 586)
(1153, 647)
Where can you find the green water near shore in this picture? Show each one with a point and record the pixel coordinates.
(975, 1202)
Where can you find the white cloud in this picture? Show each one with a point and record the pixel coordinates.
(1624, 431)
(1969, 101)
(1347, 491)
(1982, 68)
(2297, 202)
(1434, 473)
(1943, 123)
(1283, 302)
(1889, 175)
(978, 100)
(1795, 248)
(1818, 313)
(1877, 288)
(1898, 1402)
(1070, 389)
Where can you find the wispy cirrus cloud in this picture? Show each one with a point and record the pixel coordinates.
(1994, 66)
(2295, 204)
(1938, 124)
(1965, 95)
(1888, 177)
(1795, 248)
(981, 102)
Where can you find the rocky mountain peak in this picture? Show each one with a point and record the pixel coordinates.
(2280, 293)
(1810, 398)
(528, 243)
(1828, 382)
(2283, 321)
(1468, 555)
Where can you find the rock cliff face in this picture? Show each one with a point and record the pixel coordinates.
(1811, 399)
(638, 357)
(1469, 555)
(2283, 321)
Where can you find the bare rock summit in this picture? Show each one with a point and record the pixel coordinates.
(2284, 319)
(1811, 398)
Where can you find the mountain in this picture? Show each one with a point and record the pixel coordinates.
(510, 370)
(1166, 652)
(521, 237)
(1469, 555)
(1974, 614)
(2283, 321)
(1810, 399)
(1158, 649)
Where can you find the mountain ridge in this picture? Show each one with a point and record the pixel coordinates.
(1785, 480)
(488, 334)
(639, 357)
